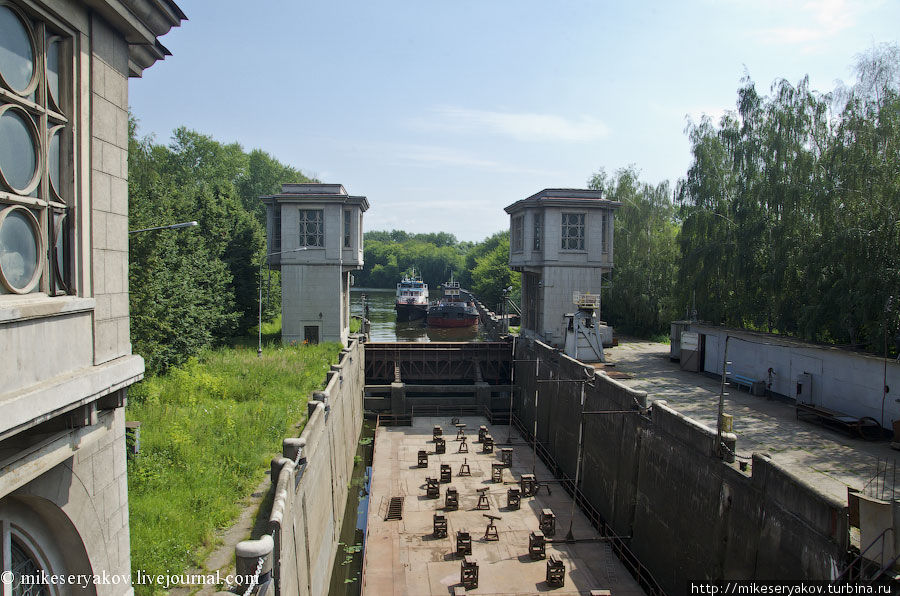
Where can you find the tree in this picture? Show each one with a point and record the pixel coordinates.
(640, 298)
(491, 275)
(198, 287)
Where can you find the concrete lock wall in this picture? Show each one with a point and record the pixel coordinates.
(305, 522)
(653, 475)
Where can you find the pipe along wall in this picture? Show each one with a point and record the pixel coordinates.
(656, 477)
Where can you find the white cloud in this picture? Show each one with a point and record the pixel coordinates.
(820, 20)
(444, 156)
(520, 126)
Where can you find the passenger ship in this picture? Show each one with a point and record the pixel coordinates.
(412, 298)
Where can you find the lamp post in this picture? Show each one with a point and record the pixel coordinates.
(178, 226)
(264, 261)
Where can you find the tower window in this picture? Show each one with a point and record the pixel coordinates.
(572, 231)
(312, 232)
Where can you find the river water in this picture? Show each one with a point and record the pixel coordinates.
(384, 325)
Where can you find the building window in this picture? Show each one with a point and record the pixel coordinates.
(25, 563)
(36, 153)
(518, 228)
(538, 230)
(572, 231)
(604, 233)
(276, 229)
(347, 215)
(312, 232)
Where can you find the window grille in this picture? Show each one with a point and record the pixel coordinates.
(538, 230)
(572, 231)
(347, 215)
(517, 233)
(312, 232)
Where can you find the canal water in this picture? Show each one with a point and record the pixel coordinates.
(346, 576)
(384, 325)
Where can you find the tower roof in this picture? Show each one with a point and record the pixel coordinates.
(315, 193)
(565, 197)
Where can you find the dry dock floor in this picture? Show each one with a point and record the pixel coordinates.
(403, 557)
(829, 459)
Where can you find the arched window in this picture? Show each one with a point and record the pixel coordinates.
(28, 567)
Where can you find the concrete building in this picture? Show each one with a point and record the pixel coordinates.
(561, 240)
(315, 237)
(65, 349)
(842, 381)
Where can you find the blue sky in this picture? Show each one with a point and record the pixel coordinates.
(443, 113)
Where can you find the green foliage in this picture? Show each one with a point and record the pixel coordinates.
(640, 298)
(491, 275)
(210, 428)
(199, 286)
(790, 209)
(787, 219)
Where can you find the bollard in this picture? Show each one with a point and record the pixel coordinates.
(246, 560)
(292, 446)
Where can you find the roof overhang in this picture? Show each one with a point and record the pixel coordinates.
(358, 201)
(142, 22)
(579, 198)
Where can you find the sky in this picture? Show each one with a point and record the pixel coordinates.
(443, 113)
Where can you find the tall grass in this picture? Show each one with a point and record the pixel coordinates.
(209, 429)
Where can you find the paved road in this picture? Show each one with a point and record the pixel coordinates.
(828, 459)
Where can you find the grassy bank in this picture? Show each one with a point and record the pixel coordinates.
(209, 430)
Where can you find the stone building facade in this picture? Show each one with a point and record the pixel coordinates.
(65, 349)
(561, 240)
(315, 237)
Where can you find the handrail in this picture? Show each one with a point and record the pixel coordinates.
(846, 574)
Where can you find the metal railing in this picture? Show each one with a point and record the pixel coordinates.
(862, 563)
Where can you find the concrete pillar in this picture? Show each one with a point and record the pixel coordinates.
(246, 560)
(398, 399)
(730, 441)
(276, 466)
(290, 447)
(483, 394)
(311, 406)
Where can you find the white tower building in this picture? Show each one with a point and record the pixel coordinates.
(315, 237)
(561, 240)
